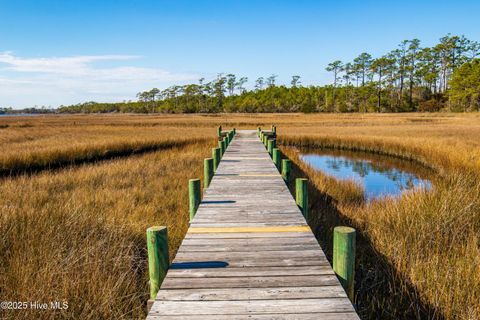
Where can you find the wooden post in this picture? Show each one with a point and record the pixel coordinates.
(286, 166)
(276, 157)
(207, 172)
(302, 195)
(194, 196)
(270, 147)
(216, 154)
(234, 131)
(219, 131)
(158, 261)
(259, 130)
(220, 146)
(344, 257)
(224, 146)
(227, 140)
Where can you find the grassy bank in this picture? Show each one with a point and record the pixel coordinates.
(79, 234)
(32, 144)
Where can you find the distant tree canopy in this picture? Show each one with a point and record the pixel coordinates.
(408, 78)
(464, 91)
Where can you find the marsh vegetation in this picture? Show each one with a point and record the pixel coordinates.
(74, 229)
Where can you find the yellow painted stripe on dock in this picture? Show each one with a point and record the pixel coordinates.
(257, 175)
(249, 229)
(243, 158)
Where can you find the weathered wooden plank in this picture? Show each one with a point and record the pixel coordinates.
(243, 248)
(249, 282)
(256, 228)
(251, 272)
(225, 256)
(244, 235)
(277, 306)
(250, 242)
(285, 316)
(271, 293)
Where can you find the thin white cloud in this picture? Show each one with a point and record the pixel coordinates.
(65, 80)
(66, 65)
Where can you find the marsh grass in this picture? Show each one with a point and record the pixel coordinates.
(418, 254)
(78, 233)
(39, 145)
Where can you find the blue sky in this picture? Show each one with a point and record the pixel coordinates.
(61, 52)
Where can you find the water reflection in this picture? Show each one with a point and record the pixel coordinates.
(380, 175)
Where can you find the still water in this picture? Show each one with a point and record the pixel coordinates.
(379, 175)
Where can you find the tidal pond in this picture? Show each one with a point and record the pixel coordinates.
(380, 175)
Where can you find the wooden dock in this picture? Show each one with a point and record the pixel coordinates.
(249, 253)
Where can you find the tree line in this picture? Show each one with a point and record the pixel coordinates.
(408, 78)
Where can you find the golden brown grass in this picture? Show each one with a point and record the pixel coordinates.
(429, 239)
(78, 234)
(39, 143)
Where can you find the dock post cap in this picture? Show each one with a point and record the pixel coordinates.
(344, 229)
(158, 228)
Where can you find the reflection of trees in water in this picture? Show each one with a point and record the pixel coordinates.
(362, 168)
(334, 163)
(378, 163)
(404, 180)
(402, 173)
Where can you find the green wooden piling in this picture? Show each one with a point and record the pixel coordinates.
(220, 146)
(227, 140)
(286, 167)
(276, 157)
(302, 195)
(224, 146)
(216, 155)
(194, 196)
(207, 171)
(344, 257)
(270, 146)
(158, 261)
(219, 131)
(272, 143)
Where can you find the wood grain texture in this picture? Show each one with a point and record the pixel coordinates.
(249, 253)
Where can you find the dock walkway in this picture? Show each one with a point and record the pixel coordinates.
(249, 253)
